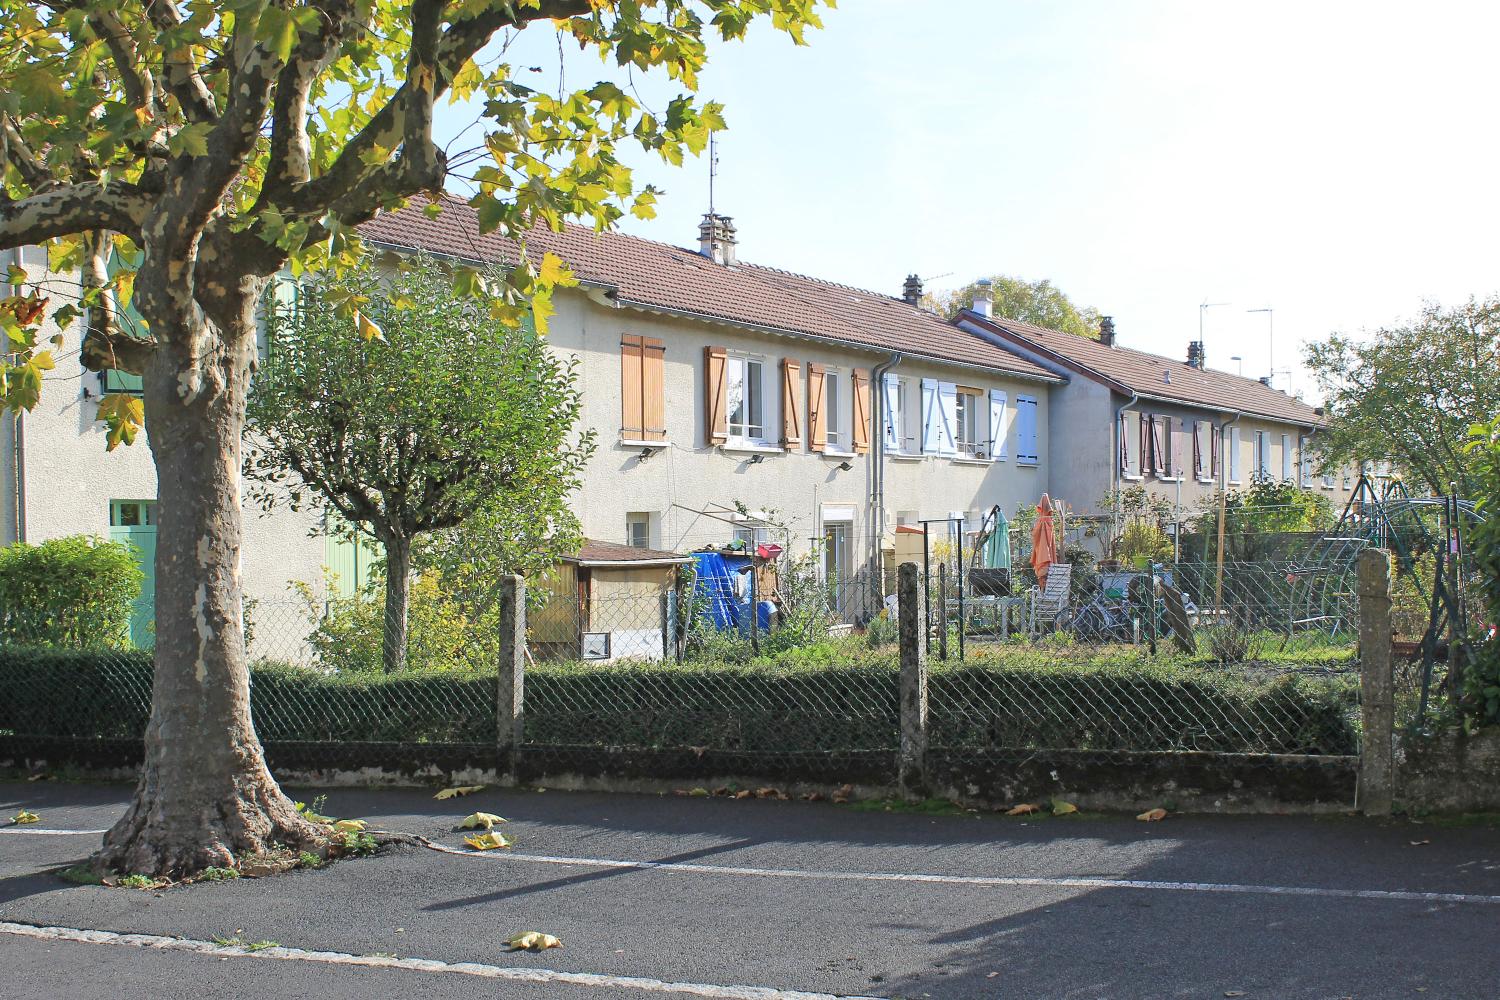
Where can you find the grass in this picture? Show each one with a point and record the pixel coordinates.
(250, 946)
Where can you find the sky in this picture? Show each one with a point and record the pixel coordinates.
(1336, 162)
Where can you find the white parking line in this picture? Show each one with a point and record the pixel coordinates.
(510, 973)
(1058, 882)
(1027, 881)
(34, 831)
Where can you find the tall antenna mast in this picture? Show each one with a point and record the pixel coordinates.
(713, 169)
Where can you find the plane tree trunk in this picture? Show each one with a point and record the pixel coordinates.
(205, 796)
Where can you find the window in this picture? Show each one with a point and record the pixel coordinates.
(1232, 445)
(1286, 457)
(745, 399)
(1027, 450)
(642, 391)
(899, 416)
(971, 440)
(638, 530)
(835, 387)
(1262, 456)
(1304, 448)
(1130, 445)
(111, 380)
(999, 425)
(837, 561)
(748, 536)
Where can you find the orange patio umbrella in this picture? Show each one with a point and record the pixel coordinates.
(1043, 541)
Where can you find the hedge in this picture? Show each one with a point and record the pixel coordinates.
(755, 708)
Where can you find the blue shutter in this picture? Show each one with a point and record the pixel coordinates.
(1026, 431)
(999, 426)
(948, 414)
(893, 417)
(932, 421)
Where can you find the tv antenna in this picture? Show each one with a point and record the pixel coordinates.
(713, 168)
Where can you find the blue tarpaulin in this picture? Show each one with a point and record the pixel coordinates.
(718, 586)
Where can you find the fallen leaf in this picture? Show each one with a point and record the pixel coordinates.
(1024, 809)
(698, 793)
(350, 826)
(23, 817)
(991, 975)
(453, 793)
(487, 841)
(813, 797)
(1419, 843)
(476, 820)
(533, 941)
(766, 793)
(722, 791)
(1234, 993)
(743, 793)
(1061, 808)
(1153, 815)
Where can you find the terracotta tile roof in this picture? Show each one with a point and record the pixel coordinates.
(653, 275)
(1155, 376)
(593, 551)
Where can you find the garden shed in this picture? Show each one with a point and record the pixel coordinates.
(604, 603)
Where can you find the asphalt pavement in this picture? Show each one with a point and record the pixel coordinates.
(663, 895)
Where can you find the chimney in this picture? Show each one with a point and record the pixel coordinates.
(1265, 380)
(984, 298)
(716, 238)
(1107, 331)
(1195, 354)
(912, 290)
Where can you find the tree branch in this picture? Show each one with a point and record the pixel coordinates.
(186, 84)
(15, 151)
(72, 208)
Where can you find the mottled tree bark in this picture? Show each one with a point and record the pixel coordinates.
(205, 795)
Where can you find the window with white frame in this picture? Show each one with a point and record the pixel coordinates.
(1262, 456)
(744, 377)
(836, 400)
(1304, 454)
(973, 439)
(1286, 457)
(1236, 458)
(638, 530)
(900, 416)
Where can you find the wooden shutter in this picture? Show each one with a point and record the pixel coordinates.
(817, 417)
(1124, 437)
(932, 421)
(653, 389)
(1159, 461)
(715, 395)
(632, 416)
(861, 384)
(791, 409)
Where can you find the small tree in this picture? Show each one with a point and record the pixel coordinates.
(454, 415)
(1040, 303)
(1410, 393)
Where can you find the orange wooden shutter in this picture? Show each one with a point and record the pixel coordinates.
(861, 383)
(791, 412)
(653, 390)
(714, 395)
(632, 421)
(817, 418)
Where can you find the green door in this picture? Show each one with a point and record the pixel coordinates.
(134, 522)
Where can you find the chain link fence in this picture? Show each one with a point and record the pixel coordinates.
(797, 680)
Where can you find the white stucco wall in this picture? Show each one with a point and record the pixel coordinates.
(679, 483)
(66, 479)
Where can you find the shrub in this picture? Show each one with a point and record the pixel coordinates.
(443, 635)
(74, 592)
(1481, 695)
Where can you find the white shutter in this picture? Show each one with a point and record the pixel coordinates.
(890, 391)
(1026, 430)
(999, 424)
(932, 421)
(948, 415)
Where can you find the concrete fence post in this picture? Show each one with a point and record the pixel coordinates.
(1377, 685)
(912, 762)
(510, 706)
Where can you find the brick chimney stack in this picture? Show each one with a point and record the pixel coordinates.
(1195, 354)
(912, 290)
(716, 238)
(1107, 331)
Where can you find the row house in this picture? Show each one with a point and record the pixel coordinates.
(1182, 430)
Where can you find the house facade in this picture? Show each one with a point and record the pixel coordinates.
(1177, 428)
